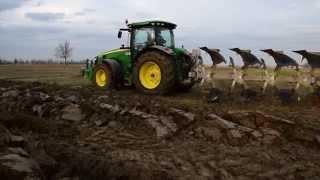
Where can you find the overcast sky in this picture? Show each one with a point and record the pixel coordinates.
(33, 28)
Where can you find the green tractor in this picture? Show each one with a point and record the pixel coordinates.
(151, 62)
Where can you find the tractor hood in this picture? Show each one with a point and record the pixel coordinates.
(114, 51)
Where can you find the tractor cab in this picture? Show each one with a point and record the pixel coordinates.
(147, 34)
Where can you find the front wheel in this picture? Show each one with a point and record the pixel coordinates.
(154, 73)
(103, 77)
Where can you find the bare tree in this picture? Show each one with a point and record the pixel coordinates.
(64, 51)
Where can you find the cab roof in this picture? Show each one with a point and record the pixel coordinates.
(152, 24)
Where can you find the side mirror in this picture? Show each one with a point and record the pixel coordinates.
(119, 34)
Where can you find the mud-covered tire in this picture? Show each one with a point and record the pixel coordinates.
(167, 67)
(109, 79)
(185, 87)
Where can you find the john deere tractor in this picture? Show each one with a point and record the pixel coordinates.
(150, 62)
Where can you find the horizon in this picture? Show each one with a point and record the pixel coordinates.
(31, 29)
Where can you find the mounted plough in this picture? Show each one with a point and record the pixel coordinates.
(282, 61)
(269, 77)
(313, 59)
(217, 59)
(249, 61)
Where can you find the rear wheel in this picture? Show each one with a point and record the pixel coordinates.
(185, 87)
(103, 77)
(154, 73)
(150, 75)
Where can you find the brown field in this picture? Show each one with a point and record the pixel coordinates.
(48, 73)
(55, 125)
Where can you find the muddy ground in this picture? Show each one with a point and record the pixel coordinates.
(60, 132)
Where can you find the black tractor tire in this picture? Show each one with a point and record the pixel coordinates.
(167, 67)
(109, 81)
(185, 87)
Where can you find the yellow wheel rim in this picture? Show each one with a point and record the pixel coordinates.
(101, 78)
(150, 75)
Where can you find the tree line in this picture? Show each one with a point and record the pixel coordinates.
(63, 51)
(38, 61)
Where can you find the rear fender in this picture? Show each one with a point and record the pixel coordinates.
(164, 50)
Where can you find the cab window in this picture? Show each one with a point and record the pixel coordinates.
(143, 37)
(164, 37)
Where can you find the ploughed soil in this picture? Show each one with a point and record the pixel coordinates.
(61, 132)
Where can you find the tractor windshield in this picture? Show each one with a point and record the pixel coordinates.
(145, 37)
(164, 37)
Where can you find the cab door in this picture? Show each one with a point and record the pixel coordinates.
(141, 39)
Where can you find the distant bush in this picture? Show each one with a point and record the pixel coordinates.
(38, 61)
